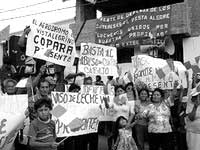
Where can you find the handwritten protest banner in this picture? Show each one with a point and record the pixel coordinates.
(98, 59)
(158, 73)
(51, 43)
(133, 28)
(12, 109)
(80, 113)
(75, 113)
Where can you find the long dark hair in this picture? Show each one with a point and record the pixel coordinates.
(160, 91)
(117, 127)
(131, 84)
(144, 89)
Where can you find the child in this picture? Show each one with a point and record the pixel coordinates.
(123, 135)
(42, 129)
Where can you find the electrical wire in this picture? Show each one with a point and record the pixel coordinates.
(23, 16)
(18, 8)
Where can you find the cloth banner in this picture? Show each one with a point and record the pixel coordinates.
(51, 43)
(80, 113)
(134, 28)
(4, 34)
(12, 115)
(156, 72)
(98, 59)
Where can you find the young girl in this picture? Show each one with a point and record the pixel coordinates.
(123, 135)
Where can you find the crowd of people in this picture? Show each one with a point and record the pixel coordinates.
(149, 119)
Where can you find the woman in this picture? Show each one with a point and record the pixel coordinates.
(159, 128)
(140, 127)
(121, 107)
(131, 91)
(193, 121)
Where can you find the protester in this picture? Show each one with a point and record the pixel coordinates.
(42, 129)
(9, 86)
(193, 119)
(141, 123)
(131, 91)
(123, 135)
(43, 92)
(159, 128)
(121, 107)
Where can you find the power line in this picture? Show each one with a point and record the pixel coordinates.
(36, 13)
(48, 11)
(14, 9)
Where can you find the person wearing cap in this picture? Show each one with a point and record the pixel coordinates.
(9, 86)
(193, 119)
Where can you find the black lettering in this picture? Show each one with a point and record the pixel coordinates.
(69, 50)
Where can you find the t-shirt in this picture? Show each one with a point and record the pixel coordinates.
(193, 126)
(125, 109)
(158, 117)
(140, 108)
(31, 102)
(43, 132)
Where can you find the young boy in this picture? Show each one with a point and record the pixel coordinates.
(42, 129)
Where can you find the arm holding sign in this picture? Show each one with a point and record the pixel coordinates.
(134, 86)
(22, 39)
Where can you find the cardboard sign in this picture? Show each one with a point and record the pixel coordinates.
(51, 43)
(98, 59)
(157, 73)
(94, 89)
(12, 109)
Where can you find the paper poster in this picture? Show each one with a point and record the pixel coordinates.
(80, 113)
(51, 43)
(157, 73)
(12, 115)
(96, 59)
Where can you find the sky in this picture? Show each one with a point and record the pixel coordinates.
(18, 23)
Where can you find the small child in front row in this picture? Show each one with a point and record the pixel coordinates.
(42, 129)
(123, 136)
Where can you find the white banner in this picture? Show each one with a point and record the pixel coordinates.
(158, 73)
(51, 43)
(96, 59)
(12, 115)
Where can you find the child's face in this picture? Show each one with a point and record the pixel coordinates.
(43, 113)
(122, 122)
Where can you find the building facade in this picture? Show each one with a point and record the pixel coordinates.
(184, 22)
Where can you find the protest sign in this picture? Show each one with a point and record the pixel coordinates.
(51, 43)
(80, 113)
(12, 115)
(75, 113)
(94, 89)
(156, 73)
(134, 28)
(98, 59)
(4, 34)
